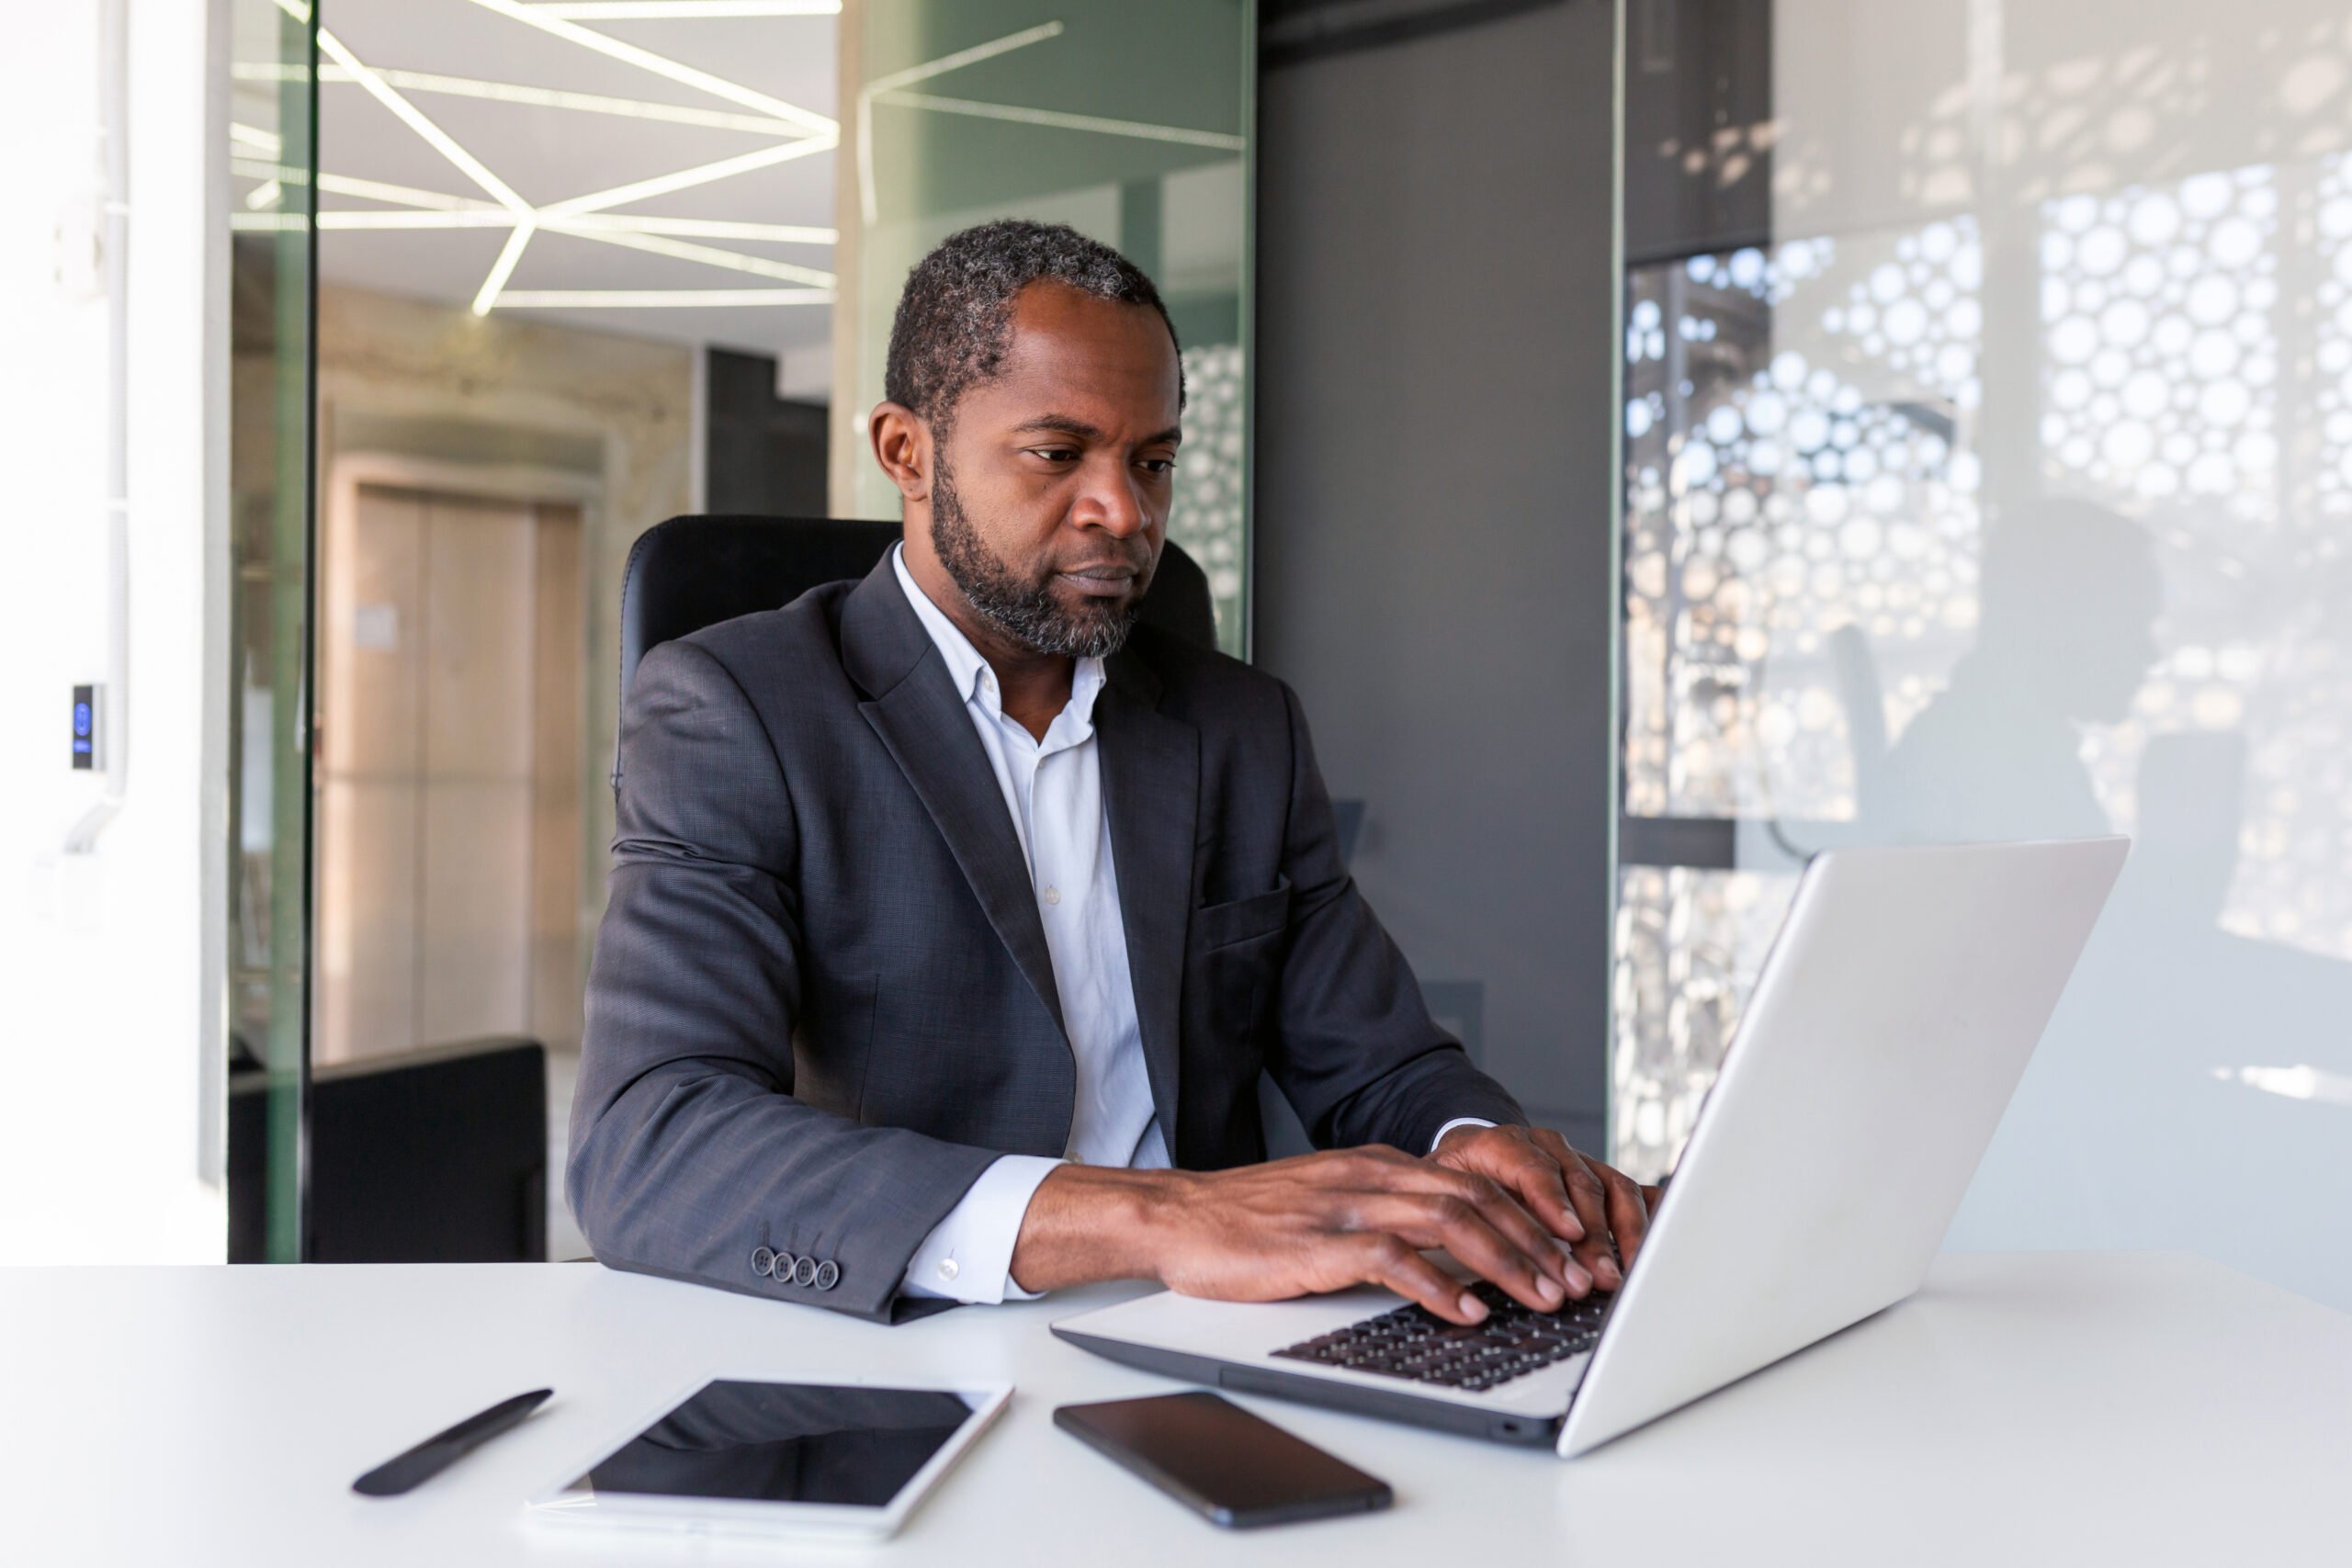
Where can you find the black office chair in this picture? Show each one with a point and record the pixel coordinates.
(692, 572)
(428, 1156)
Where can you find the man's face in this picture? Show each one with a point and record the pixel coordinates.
(1050, 494)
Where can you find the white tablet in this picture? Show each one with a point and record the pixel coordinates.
(751, 1456)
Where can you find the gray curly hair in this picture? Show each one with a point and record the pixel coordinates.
(955, 316)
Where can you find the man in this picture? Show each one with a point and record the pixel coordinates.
(954, 915)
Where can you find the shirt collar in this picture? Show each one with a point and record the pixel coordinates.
(968, 669)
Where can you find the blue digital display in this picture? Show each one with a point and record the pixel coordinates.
(85, 726)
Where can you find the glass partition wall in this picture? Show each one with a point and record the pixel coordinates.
(547, 280)
(1130, 123)
(1988, 475)
(573, 277)
(273, 126)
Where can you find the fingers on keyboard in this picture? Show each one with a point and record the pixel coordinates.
(1413, 1344)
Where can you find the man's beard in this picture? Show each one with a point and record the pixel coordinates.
(1027, 613)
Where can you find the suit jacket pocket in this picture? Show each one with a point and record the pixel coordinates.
(1223, 925)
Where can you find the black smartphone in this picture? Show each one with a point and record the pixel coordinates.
(1220, 1461)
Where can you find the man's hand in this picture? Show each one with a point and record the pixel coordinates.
(1585, 1203)
(1293, 1227)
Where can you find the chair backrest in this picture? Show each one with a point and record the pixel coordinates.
(429, 1156)
(692, 572)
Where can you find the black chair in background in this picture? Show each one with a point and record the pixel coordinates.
(428, 1156)
(693, 572)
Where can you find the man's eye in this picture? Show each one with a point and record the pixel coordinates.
(1056, 454)
(1160, 465)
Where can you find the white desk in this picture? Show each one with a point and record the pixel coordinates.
(2075, 1408)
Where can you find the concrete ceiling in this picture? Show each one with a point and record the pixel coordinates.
(478, 118)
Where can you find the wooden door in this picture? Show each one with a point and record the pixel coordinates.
(450, 773)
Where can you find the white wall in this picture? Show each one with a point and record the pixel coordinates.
(111, 996)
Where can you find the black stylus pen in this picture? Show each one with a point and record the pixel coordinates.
(439, 1451)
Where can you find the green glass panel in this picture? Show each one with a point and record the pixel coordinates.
(273, 138)
(1131, 123)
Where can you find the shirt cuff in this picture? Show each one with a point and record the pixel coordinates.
(1457, 1122)
(968, 1257)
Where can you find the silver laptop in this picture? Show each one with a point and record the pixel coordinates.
(1893, 1016)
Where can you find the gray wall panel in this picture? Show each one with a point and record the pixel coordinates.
(1434, 539)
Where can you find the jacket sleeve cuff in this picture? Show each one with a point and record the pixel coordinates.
(968, 1257)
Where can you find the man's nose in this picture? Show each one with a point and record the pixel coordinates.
(1111, 500)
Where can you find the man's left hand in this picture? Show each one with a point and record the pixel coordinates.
(1595, 1208)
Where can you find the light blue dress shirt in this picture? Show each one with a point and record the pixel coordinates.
(1054, 789)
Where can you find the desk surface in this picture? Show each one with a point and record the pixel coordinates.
(2141, 1407)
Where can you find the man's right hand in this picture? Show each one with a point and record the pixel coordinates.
(1293, 1227)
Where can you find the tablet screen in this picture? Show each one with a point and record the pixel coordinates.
(767, 1442)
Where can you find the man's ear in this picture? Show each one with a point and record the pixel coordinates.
(902, 445)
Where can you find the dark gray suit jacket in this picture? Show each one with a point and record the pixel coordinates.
(821, 1002)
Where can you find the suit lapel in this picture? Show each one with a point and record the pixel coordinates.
(920, 718)
(1151, 780)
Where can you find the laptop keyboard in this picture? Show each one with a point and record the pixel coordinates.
(1412, 1342)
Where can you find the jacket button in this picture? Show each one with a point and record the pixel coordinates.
(805, 1271)
(763, 1260)
(828, 1274)
(782, 1268)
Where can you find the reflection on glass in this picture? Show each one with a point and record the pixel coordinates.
(272, 133)
(1688, 945)
(2068, 595)
(1128, 123)
(2007, 492)
(1771, 503)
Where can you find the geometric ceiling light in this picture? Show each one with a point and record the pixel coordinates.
(659, 299)
(447, 145)
(587, 216)
(869, 203)
(682, 10)
(433, 81)
(892, 89)
(592, 103)
(590, 216)
(544, 19)
(1141, 130)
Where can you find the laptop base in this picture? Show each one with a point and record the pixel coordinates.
(1444, 1415)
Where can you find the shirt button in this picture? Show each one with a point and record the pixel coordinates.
(1053, 895)
(947, 1269)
